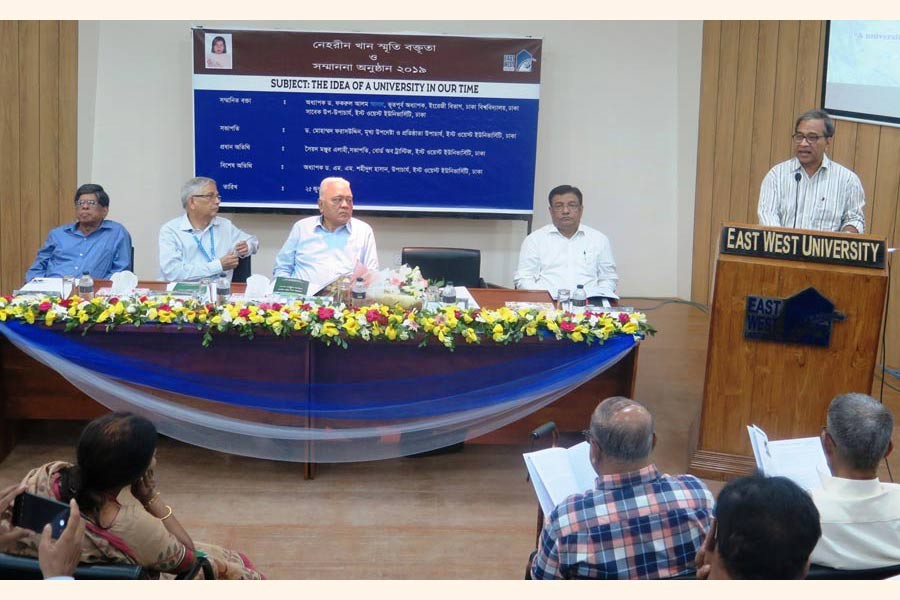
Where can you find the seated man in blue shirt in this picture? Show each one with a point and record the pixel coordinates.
(319, 249)
(92, 243)
(200, 243)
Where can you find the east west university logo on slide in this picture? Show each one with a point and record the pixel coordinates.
(521, 62)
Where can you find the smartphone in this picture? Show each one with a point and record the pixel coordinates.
(33, 512)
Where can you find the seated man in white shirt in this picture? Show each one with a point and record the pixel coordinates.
(200, 244)
(860, 514)
(567, 253)
(320, 249)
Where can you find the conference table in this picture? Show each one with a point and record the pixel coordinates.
(32, 391)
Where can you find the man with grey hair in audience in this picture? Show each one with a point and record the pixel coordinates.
(199, 243)
(860, 514)
(636, 523)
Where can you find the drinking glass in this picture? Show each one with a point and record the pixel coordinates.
(563, 297)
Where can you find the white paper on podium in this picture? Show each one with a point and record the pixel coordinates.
(801, 460)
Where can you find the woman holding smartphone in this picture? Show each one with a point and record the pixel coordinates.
(115, 452)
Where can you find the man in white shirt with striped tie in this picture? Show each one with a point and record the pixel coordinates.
(811, 191)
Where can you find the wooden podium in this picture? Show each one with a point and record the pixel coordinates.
(784, 387)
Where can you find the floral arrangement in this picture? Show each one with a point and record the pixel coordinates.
(404, 285)
(332, 324)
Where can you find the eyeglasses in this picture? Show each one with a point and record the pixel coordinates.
(570, 206)
(86, 203)
(588, 436)
(338, 200)
(210, 196)
(812, 138)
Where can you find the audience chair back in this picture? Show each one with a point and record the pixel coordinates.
(462, 266)
(24, 567)
(242, 271)
(820, 572)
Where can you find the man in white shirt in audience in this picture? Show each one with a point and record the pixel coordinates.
(811, 191)
(200, 244)
(860, 514)
(567, 253)
(320, 249)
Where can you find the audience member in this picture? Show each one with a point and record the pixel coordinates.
(765, 528)
(860, 514)
(811, 191)
(200, 244)
(320, 249)
(567, 253)
(116, 451)
(92, 243)
(58, 559)
(637, 523)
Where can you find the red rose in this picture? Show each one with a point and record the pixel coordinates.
(8, 298)
(210, 306)
(325, 312)
(144, 298)
(163, 307)
(45, 306)
(305, 306)
(244, 312)
(567, 326)
(113, 300)
(65, 303)
(276, 306)
(623, 318)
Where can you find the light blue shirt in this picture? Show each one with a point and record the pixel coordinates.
(319, 256)
(68, 253)
(186, 254)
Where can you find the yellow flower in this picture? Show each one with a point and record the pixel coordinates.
(103, 316)
(49, 318)
(351, 326)
(630, 327)
(390, 332)
(29, 317)
(498, 328)
(576, 336)
(330, 329)
(470, 335)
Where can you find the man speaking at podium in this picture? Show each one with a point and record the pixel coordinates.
(811, 191)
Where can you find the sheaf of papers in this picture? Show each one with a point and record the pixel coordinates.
(557, 473)
(801, 460)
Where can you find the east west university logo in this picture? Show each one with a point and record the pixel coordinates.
(521, 62)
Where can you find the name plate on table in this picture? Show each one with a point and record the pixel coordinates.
(808, 247)
(287, 286)
(187, 288)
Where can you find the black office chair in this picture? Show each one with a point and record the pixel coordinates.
(820, 572)
(242, 271)
(25, 567)
(462, 266)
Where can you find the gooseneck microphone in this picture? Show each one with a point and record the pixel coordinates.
(796, 198)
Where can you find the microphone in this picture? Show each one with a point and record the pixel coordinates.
(796, 198)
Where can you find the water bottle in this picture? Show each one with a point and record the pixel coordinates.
(448, 294)
(358, 291)
(86, 286)
(579, 297)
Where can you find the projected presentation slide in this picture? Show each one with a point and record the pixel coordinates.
(416, 123)
(862, 70)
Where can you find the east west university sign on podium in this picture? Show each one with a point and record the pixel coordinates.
(796, 318)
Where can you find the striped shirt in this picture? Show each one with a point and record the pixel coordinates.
(639, 525)
(828, 201)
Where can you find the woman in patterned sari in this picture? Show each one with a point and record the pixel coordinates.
(117, 451)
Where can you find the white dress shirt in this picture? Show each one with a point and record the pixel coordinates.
(549, 261)
(319, 256)
(186, 254)
(829, 200)
(860, 523)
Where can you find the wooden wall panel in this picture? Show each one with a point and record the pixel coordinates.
(10, 225)
(750, 94)
(38, 143)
